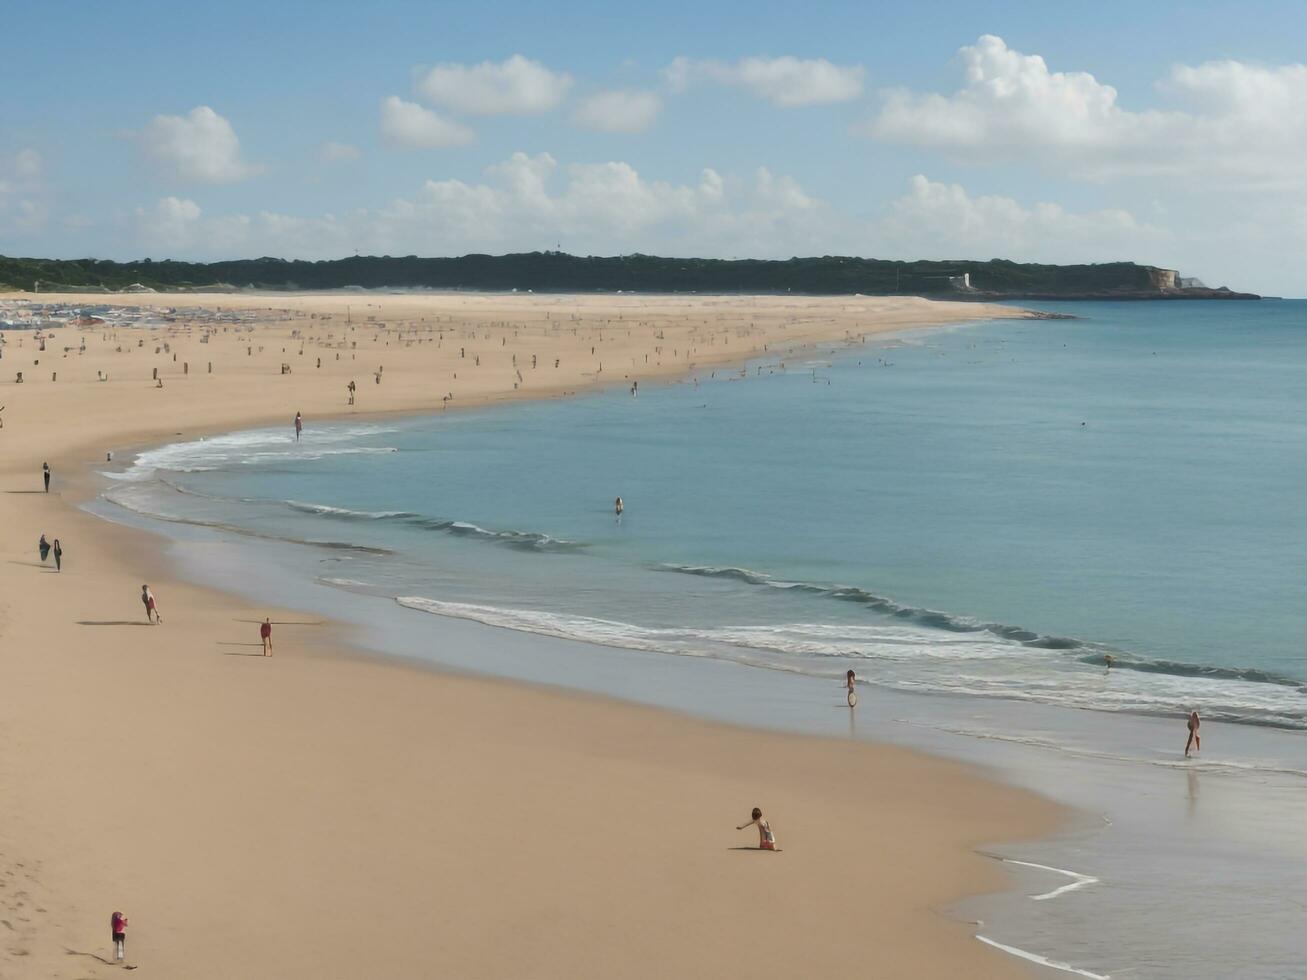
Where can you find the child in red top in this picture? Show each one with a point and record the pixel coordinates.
(118, 926)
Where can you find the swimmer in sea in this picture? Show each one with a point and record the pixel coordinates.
(766, 839)
(1195, 741)
(618, 507)
(1108, 657)
(849, 679)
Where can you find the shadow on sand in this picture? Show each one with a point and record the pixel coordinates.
(112, 622)
(238, 653)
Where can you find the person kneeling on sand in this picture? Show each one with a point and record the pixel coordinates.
(766, 839)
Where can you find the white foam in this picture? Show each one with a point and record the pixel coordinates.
(1080, 880)
(1043, 960)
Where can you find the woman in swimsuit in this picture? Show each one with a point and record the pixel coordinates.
(766, 839)
(1195, 741)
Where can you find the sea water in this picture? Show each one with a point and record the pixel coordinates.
(982, 514)
(990, 511)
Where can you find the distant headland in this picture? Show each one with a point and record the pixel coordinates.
(558, 272)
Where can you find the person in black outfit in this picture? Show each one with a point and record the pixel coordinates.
(45, 472)
(58, 556)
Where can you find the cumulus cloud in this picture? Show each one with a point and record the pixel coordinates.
(27, 164)
(169, 223)
(22, 192)
(938, 220)
(517, 85)
(334, 152)
(619, 111)
(785, 81)
(525, 202)
(409, 124)
(200, 146)
(1243, 123)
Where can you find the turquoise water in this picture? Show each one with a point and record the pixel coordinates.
(989, 510)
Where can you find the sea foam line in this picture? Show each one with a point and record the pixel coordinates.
(1043, 960)
(1080, 880)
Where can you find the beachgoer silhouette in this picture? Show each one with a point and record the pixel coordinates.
(44, 547)
(58, 555)
(265, 634)
(299, 425)
(766, 839)
(45, 474)
(118, 929)
(1195, 740)
(151, 606)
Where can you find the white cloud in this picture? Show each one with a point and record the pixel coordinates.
(169, 224)
(27, 164)
(516, 85)
(1244, 124)
(937, 220)
(409, 124)
(619, 111)
(785, 81)
(333, 152)
(200, 146)
(23, 207)
(526, 202)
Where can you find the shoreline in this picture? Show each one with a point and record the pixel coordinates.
(102, 552)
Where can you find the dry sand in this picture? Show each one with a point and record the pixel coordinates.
(321, 815)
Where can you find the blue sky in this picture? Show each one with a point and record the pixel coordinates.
(1166, 133)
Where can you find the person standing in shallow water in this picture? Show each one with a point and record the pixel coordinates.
(58, 556)
(1195, 741)
(299, 425)
(618, 507)
(45, 475)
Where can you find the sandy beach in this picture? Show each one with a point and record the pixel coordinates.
(320, 814)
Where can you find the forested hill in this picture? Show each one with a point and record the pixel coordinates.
(559, 272)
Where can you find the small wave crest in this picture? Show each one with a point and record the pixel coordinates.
(523, 540)
(1177, 668)
(252, 447)
(917, 615)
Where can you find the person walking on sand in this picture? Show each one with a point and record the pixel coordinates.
(118, 928)
(44, 547)
(1195, 741)
(151, 607)
(766, 839)
(58, 555)
(265, 634)
(45, 474)
(299, 425)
